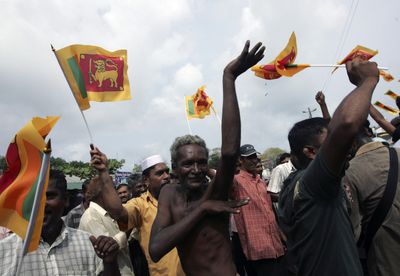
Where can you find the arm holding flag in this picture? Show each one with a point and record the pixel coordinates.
(382, 122)
(320, 98)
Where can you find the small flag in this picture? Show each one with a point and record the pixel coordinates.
(386, 76)
(387, 108)
(19, 182)
(95, 74)
(282, 65)
(198, 105)
(359, 51)
(391, 94)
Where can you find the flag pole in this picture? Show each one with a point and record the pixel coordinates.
(70, 87)
(216, 115)
(187, 119)
(323, 65)
(36, 203)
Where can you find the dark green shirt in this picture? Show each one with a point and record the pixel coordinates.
(320, 235)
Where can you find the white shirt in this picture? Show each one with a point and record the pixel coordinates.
(97, 221)
(278, 175)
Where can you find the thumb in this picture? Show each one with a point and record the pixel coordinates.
(93, 240)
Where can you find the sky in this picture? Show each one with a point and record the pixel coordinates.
(174, 47)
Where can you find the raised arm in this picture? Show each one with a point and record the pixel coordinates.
(351, 114)
(112, 202)
(320, 98)
(219, 187)
(378, 117)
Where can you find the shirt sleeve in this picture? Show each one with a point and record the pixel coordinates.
(396, 135)
(133, 207)
(318, 181)
(276, 181)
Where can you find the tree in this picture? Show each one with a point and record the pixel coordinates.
(271, 154)
(137, 169)
(81, 169)
(214, 158)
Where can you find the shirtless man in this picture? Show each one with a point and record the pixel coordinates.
(194, 215)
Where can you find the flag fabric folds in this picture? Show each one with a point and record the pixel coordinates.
(391, 94)
(387, 108)
(359, 51)
(283, 64)
(19, 182)
(95, 74)
(198, 105)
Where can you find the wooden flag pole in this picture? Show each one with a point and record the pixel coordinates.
(324, 65)
(187, 119)
(70, 87)
(36, 203)
(216, 115)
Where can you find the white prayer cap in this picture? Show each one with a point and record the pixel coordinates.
(151, 161)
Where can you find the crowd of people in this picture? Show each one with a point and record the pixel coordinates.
(330, 207)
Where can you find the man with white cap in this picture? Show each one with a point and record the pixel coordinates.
(140, 212)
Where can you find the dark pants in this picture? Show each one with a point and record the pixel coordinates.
(138, 259)
(243, 266)
(268, 267)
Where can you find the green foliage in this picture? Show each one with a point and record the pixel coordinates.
(214, 158)
(81, 169)
(271, 154)
(137, 168)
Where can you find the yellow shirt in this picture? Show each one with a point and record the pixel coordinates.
(142, 212)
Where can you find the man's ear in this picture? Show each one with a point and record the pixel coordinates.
(309, 152)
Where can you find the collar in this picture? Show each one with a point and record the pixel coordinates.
(246, 174)
(98, 208)
(368, 147)
(150, 198)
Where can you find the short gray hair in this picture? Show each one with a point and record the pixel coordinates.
(183, 141)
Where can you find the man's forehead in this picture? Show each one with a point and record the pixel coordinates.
(192, 149)
(160, 166)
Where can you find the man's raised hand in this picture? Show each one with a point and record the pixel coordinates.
(245, 60)
(98, 159)
(358, 71)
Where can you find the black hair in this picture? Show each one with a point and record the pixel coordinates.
(134, 179)
(60, 181)
(282, 157)
(304, 133)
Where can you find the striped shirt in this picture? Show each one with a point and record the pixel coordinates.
(71, 253)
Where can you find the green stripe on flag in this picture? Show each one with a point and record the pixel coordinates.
(190, 105)
(76, 71)
(27, 204)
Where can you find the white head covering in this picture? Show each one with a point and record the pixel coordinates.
(151, 161)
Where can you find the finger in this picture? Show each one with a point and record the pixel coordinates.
(245, 49)
(260, 54)
(107, 248)
(93, 241)
(91, 146)
(101, 243)
(114, 247)
(255, 48)
(349, 65)
(239, 203)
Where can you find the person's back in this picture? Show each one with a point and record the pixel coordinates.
(367, 177)
(318, 228)
(320, 235)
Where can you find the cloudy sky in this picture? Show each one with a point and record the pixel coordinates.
(174, 47)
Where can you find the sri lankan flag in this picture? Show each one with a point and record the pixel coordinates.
(391, 94)
(95, 74)
(283, 64)
(19, 182)
(198, 105)
(387, 108)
